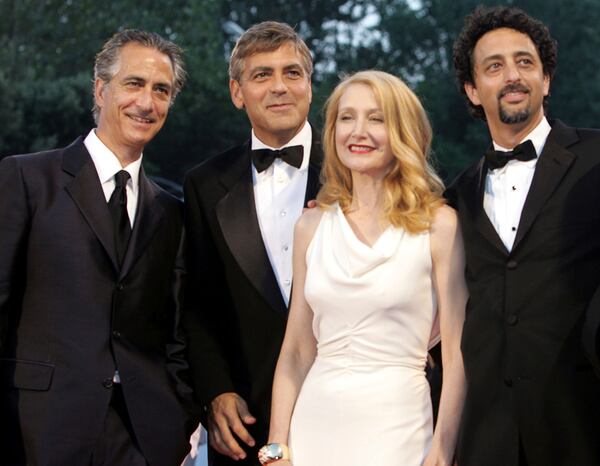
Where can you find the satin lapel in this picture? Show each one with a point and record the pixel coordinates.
(473, 191)
(313, 183)
(236, 214)
(148, 215)
(551, 167)
(86, 192)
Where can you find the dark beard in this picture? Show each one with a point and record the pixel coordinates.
(513, 118)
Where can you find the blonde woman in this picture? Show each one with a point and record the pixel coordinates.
(378, 279)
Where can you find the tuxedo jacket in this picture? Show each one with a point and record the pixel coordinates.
(528, 380)
(235, 313)
(70, 315)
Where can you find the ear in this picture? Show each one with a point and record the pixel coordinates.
(546, 85)
(309, 91)
(99, 88)
(472, 93)
(237, 97)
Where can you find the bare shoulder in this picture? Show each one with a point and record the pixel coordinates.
(445, 232)
(307, 224)
(444, 223)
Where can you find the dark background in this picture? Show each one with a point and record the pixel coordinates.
(47, 51)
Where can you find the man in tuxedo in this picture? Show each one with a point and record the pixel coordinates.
(241, 207)
(530, 222)
(90, 356)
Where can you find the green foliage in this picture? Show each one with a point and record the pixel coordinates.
(47, 49)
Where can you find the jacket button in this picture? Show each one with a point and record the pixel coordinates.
(120, 287)
(512, 319)
(116, 333)
(107, 383)
(511, 265)
(508, 382)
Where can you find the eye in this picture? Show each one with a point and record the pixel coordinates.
(294, 74)
(261, 75)
(494, 66)
(163, 90)
(344, 117)
(132, 84)
(376, 118)
(525, 61)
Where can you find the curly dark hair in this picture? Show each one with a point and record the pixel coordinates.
(486, 19)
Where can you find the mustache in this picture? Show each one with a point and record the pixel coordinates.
(513, 88)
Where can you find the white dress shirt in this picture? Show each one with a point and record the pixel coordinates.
(506, 188)
(279, 198)
(107, 165)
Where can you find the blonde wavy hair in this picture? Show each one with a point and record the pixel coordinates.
(412, 188)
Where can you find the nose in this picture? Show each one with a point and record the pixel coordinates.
(359, 129)
(278, 85)
(144, 99)
(511, 72)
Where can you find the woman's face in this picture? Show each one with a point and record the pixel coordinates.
(361, 136)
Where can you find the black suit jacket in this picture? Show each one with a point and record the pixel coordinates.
(70, 316)
(528, 380)
(235, 314)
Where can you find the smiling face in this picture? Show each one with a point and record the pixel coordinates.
(361, 136)
(134, 104)
(276, 92)
(510, 83)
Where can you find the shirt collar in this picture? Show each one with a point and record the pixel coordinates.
(538, 137)
(302, 138)
(106, 162)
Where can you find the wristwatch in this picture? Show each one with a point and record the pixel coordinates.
(273, 452)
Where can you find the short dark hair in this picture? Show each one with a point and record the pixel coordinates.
(485, 19)
(267, 37)
(108, 57)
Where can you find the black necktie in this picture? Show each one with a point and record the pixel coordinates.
(117, 205)
(497, 159)
(263, 158)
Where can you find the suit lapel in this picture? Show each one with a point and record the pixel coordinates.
(236, 214)
(551, 167)
(473, 192)
(149, 214)
(86, 192)
(313, 183)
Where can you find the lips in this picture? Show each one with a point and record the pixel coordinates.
(360, 148)
(513, 92)
(141, 119)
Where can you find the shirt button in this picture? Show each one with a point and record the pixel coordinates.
(285, 247)
(283, 213)
(511, 265)
(513, 229)
(514, 188)
(512, 319)
(287, 282)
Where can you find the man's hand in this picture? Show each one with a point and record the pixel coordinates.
(228, 414)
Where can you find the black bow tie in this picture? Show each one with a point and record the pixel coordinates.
(263, 158)
(523, 152)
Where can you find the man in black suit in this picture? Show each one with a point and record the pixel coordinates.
(90, 357)
(241, 207)
(529, 216)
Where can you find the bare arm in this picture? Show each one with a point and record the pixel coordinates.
(448, 272)
(299, 345)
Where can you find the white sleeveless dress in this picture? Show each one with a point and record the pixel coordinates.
(365, 400)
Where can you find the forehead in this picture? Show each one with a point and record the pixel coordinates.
(144, 61)
(358, 95)
(503, 42)
(284, 56)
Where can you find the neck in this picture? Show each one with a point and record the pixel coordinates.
(125, 154)
(509, 135)
(278, 139)
(367, 193)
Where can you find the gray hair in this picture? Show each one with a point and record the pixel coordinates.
(267, 37)
(105, 65)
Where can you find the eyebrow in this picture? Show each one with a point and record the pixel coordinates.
(133, 77)
(499, 56)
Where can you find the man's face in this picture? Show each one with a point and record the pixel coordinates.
(510, 83)
(276, 93)
(135, 102)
